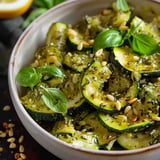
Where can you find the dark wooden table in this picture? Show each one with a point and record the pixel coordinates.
(10, 30)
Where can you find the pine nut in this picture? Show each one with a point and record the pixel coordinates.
(131, 101)
(7, 108)
(99, 52)
(10, 132)
(21, 138)
(80, 46)
(118, 105)
(110, 97)
(12, 145)
(21, 148)
(23, 156)
(127, 109)
(1, 149)
(3, 135)
(11, 140)
(156, 118)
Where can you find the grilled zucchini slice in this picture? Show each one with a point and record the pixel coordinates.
(72, 90)
(57, 35)
(65, 130)
(35, 106)
(147, 65)
(108, 90)
(47, 55)
(146, 28)
(78, 60)
(140, 139)
(140, 116)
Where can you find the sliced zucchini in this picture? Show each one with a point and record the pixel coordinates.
(35, 106)
(57, 35)
(65, 131)
(148, 65)
(64, 126)
(92, 125)
(140, 116)
(47, 55)
(72, 90)
(78, 41)
(107, 90)
(140, 139)
(151, 86)
(78, 60)
(146, 28)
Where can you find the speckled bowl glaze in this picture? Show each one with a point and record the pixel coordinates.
(34, 37)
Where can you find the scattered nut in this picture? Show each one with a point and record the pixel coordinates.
(6, 108)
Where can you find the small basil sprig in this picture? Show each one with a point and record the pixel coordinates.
(28, 77)
(122, 5)
(144, 44)
(52, 97)
(52, 70)
(108, 38)
(40, 7)
(55, 100)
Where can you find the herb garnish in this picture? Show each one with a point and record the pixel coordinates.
(108, 38)
(54, 98)
(141, 44)
(122, 5)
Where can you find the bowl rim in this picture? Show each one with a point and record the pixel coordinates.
(16, 101)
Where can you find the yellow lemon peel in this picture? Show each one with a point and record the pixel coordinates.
(13, 8)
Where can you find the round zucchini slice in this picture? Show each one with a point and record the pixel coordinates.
(78, 60)
(151, 86)
(78, 41)
(148, 65)
(140, 139)
(72, 90)
(57, 35)
(65, 130)
(35, 106)
(146, 28)
(92, 125)
(107, 89)
(47, 55)
(136, 117)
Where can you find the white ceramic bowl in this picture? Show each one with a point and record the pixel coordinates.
(33, 38)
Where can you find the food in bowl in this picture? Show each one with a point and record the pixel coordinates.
(95, 84)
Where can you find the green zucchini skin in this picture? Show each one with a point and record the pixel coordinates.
(84, 129)
(66, 130)
(146, 65)
(140, 139)
(72, 90)
(144, 109)
(42, 116)
(48, 55)
(78, 60)
(95, 92)
(57, 35)
(77, 41)
(35, 106)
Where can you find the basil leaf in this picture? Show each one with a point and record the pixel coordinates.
(28, 77)
(55, 100)
(144, 44)
(122, 5)
(131, 31)
(47, 3)
(32, 16)
(52, 70)
(108, 38)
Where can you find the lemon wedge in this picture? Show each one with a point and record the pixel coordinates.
(13, 8)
